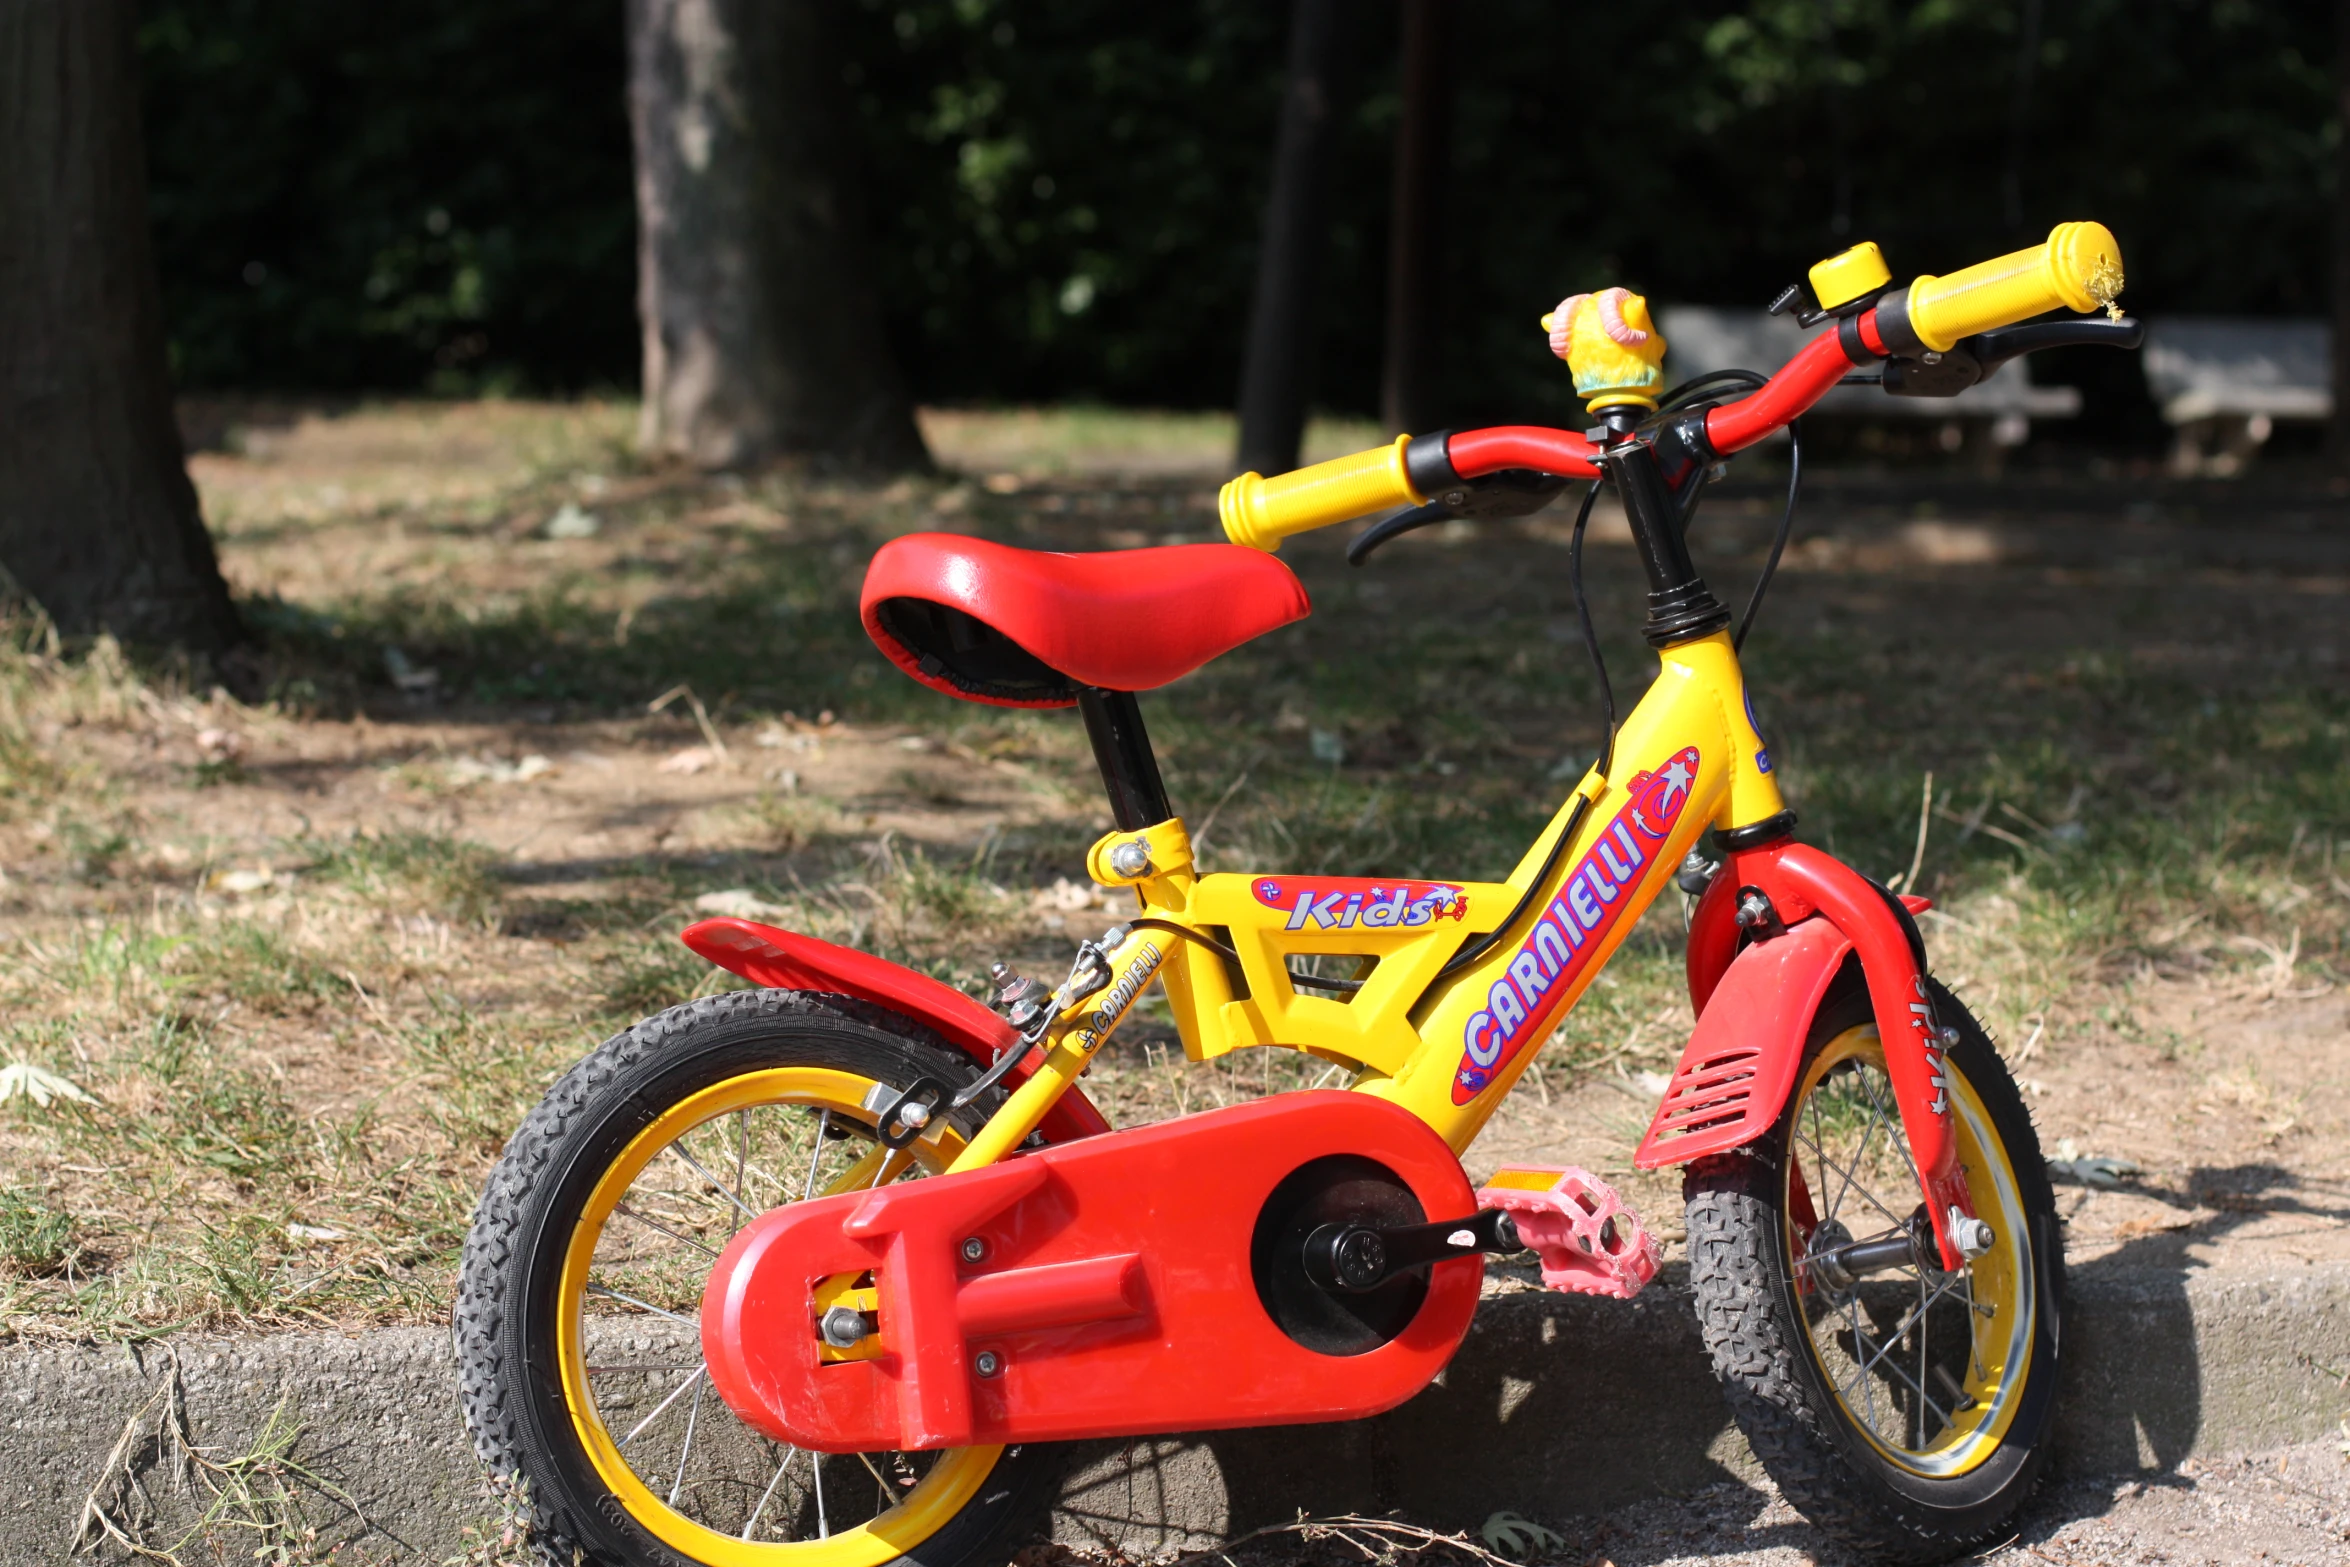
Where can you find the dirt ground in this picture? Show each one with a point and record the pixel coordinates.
(443, 844)
(2291, 1506)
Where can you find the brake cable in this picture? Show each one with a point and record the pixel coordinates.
(1477, 949)
(1778, 543)
(1694, 391)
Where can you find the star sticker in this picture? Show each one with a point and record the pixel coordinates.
(1676, 778)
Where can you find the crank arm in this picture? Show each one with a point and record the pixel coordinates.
(1350, 1259)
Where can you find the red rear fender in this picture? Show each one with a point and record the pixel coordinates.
(787, 960)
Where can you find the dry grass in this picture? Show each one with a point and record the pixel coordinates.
(310, 954)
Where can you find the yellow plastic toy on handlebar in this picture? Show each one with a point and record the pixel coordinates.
(1261, 512)
(2080, 267)
(1613, 347)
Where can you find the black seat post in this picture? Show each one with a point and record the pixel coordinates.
(1122, 750)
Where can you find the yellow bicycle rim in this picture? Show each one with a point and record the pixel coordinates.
(952, 1481)
(1971, 1411)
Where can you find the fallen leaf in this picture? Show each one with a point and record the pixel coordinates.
(570, 522)
(1512, 1535)
(738, 902)
(693, 759)
(42, 1086)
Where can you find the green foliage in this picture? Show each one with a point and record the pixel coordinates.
(36, 1237)
(1066, 199)
(431, 195)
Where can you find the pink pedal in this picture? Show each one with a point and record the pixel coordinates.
(1589, 1242)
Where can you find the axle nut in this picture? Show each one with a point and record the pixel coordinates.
(1131, 858)
(843, 1327)
(1972, 1237)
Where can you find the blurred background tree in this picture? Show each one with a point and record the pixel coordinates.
(1066, 201)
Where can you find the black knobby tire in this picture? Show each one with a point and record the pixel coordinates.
(504, 1326)
(1770, 1354)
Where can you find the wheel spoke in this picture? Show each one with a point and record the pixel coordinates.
(789, 1454)
(1861, 1341)
(823, 1125)
(703, 1247)
(742, 1157)
(694, 1164)
(658, 1409)
(1893, 1120)
(1849, 1172)
(685, 1453)
(1866, 1195)
(823, 1526)
(1925, 1327)
(610, 1293)
(880, 1486)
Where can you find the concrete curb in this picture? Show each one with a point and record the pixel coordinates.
(1556, 1405)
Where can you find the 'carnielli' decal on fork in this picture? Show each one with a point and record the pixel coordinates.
(1522, 1004)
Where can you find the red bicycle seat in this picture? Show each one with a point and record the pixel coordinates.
(1028, 628)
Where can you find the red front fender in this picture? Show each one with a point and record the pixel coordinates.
(787, 960)
(1755, 1009)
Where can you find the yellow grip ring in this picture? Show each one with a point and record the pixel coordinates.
(2080, 267)
(1261, 512)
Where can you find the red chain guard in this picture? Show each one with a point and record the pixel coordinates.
(1115, 1291)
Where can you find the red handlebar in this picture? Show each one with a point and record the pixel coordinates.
(1732, 427)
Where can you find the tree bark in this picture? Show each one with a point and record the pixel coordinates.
(762, 329)
(2338, 426)
(98, 522)
(1275, 373)
(1415, 241)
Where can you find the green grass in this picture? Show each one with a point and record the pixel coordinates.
(2115, 799)
(411, 871)
(36, 1237)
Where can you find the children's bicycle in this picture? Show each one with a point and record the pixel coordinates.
(821, 1273)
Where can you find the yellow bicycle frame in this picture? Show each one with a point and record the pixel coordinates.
(1448, 1049)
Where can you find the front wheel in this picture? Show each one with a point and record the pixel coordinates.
(580, 1353)
(1908, 1411)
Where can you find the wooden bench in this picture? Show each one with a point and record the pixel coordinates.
(2224, 382)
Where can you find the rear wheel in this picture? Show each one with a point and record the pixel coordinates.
(576, 1321)
(1906, 1411)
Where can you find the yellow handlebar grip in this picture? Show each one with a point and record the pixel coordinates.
(2080, 266)
(1261, 512)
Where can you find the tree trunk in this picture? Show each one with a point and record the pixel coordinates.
(1415, 241)
(98, 522)
(762, 329)
(1274, 375)
(2338, 427)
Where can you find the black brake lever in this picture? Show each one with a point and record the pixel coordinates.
(1995, 348)
(1513, 492)
(1378, 533)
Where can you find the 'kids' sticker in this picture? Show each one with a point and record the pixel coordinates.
(1522, 1003)
(1346, 902)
